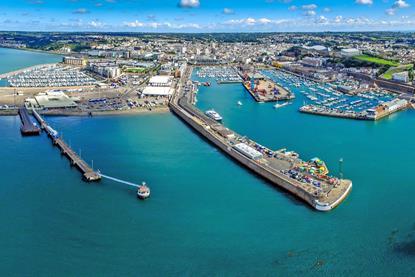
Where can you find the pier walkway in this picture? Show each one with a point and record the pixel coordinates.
(88, 172)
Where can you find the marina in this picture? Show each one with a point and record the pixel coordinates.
(325, 99)
(50, 76)
(222, 75)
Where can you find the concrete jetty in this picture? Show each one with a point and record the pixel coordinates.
(281, 168)
(28, 127)
(264, 89)
(88, 173)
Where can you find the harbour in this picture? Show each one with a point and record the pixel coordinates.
(282, 168)
(207, 212)
(326, 100)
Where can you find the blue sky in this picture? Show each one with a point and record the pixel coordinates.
(206, 15)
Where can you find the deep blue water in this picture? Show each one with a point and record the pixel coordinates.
(207, 215)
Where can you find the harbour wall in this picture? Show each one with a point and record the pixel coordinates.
(274, 177)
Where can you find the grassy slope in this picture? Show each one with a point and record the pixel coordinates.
(388, 74)
(376, 60)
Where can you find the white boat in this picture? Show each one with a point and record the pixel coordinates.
(143, 191)
(214, 115)
(277, 106)
(239, 103)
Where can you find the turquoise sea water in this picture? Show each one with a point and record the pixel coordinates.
(12, 59)
(207, 215)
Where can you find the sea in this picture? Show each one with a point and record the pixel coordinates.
(207, 216)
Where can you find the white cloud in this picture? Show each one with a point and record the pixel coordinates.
(314, 23)
(390, 11)
(80, 11)
(400, 4)
(134, 24)
(264, 21)
(310, 13)
(250, 21)
(96, 24)
(338, 19)
(309, 7)
(163, 25)
(228, 11)
(364, 2)
(189, 3)
(322, 20)
(293, 8)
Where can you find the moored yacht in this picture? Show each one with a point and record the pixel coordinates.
(214, 115)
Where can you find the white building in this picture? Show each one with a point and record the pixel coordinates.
(313, 62)
(51, 100)
(350, 52)
(157, 91)
(159, 86)
(401, 77)
(160, 81)
(106, 70)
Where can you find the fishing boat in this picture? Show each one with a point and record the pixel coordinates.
(143, 191)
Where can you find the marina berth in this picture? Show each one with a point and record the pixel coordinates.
(51, 76)
(223, 75)
(323, 99)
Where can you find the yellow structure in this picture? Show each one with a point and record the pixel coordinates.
(276, 64)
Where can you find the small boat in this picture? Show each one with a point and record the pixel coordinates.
(277, 106)
(214, 115)
(239, 103)
(143, 191)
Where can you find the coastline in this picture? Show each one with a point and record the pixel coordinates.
(33, 50)
(158, 110)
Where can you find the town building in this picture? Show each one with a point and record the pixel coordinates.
(401, 77)
(350, 52)
(74, 61)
